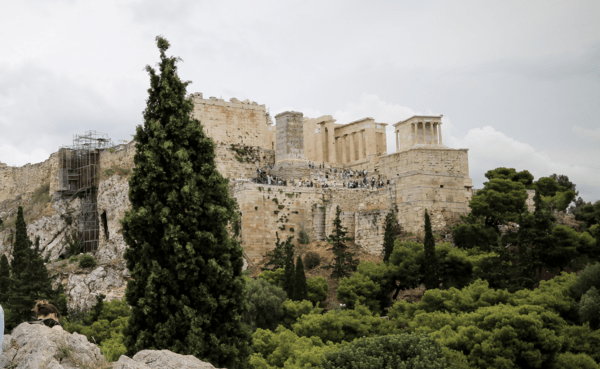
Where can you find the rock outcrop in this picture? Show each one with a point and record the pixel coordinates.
(163, 359)
(34, 346)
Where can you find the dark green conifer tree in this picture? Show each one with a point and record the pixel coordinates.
(96, 309)
(300, 285)
(289, 277)
(275, 258)
(431, 279)
(4, 279)
(19, 301)
(187, 292)
(343, 261)
(389, 236)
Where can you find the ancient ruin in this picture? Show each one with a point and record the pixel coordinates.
(287, 176)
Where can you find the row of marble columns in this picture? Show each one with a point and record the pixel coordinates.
(348, 149)
(418, 132)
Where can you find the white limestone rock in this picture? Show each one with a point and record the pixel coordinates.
(113, 199)
(82, 286)
(163, 359)
(36, 346)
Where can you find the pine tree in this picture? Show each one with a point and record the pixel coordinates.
(300, 285)
(391, 229)
(431, 278)
(343, 260)
(4, 279)
(96, 309)
(289, 278)
(188, 294)
(276, 258)
(19, 302)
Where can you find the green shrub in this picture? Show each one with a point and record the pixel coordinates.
(405, 350)
(317, 289)
(265, 300)
(589, 277)
(275, 277)
(292, 310)
(73, 259)
(303, 237)
(574, 361)
(589, 308)
(311, 259)
(87, 261)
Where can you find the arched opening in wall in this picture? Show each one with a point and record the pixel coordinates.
(104, 224)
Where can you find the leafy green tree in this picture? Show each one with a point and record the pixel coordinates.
(300, 285)
(275, 277)
(588, 278)
(265, 302)
(276, 258)
(499, 202)
(292, 310)
(317, 289)
(430, 264)
(4, 279)
(187, 292)
(564, 184)
(546, 186)
(574, 361)
(343, 260)
(589, 213)
(394, 351)
(389, 236)
(523, 177)
(285, 348)
(360, 289)
(338, 326)
(589, 308)
(473, 233)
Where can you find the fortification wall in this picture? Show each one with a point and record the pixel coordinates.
(16, 181)
(427, 160)
(234, 121)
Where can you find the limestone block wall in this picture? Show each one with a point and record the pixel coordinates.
(428, 160)
(15, 181)
(269, 209)
(290, 136)
(234, 165)
(234, 121)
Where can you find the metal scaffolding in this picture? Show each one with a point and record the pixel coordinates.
(78, 175)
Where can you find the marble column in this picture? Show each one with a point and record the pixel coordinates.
(440, 133)
(360, 145)
(352, 148)
(431, 129)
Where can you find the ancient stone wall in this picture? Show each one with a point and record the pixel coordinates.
(234, 121)
(15, 181)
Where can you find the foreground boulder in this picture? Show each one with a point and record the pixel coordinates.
(35, 346)
(163, 359)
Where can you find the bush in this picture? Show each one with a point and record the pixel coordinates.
(292, 310)
(303, 237)
(73, 259)
(275, 277)
(317, 289)
(311, 260)
(87, 261)
(405, 350)
(589, 308)
(575, 361)
(265, 302)
(589, 277)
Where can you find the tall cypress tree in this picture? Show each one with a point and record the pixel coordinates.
(431, 278)
(343, 260)
(4, 279)
(389, 235)
(289, 277)
(19, 302)
(300, 285)
(188, 294)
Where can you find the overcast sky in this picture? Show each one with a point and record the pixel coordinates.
(518, 82)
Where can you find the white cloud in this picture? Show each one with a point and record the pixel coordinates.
(587, 133)
(13, 157)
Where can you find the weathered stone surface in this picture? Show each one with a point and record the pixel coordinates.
(37, 346)
(113, 202)
(163, 359)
